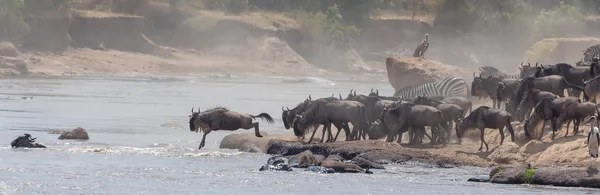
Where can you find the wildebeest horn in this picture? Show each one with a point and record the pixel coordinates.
(536, 64)
(528, 64)
(309, 97)
(371, 89)
(192, 109)
(354, 92)
(333, 95)
(282, 108)
(521, 63)
(377, 91)
(340, 96)
(287, 108)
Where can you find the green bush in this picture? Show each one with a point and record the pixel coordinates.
(12, 19)
(326, 28)
(560, 21)
(528, 175)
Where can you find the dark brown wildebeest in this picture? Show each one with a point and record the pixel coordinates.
(486, 87)
(450, 112)
(486, 117)
(340, 113)
(575, 111)
(529, 100)
(287, 115)
(595, 67)
(221, 118)
(409, 115)
(591, 89)
(506, 88)
(555, 84)
(463, 102)
(572, 74)
(545, 109)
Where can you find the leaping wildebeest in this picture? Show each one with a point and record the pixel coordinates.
(486, 117)
(221, 118)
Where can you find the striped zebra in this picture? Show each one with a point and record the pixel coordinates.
(488, 71)
(589, 53)
(452, 86)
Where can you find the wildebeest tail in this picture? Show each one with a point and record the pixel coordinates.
(580, 88)
(265, 117)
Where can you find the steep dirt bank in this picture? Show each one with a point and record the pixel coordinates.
(559, 50)
(570, 150)
(403, 72)
(555, 176)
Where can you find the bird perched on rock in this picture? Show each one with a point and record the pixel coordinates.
(593, 140)
(422, 47)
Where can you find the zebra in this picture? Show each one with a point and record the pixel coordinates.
(488, 71)
(590, 52)
(451, 86)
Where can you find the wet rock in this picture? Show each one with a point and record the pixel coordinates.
(8, 50)
(77, 133)
(373, 150)
(335, 162)
(276, 163)
(479, 178)
(365, 163)
(305, 159)
(507, 153)
(565, 176)
(250, 147)
(320, 169)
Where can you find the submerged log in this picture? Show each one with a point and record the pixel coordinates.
(556, 176)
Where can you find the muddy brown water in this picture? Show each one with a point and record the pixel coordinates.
(140, 142)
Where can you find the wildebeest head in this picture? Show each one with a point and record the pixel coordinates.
(463, 124)
(475, 86)
(351, 95)
(195, 121)
(286, 117)
(300, 125)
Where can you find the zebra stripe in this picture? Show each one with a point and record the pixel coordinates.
(487, 71)
(452, 86)
(590, 52)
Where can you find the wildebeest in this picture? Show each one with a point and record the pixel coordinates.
(527, 70)
(481, 87)
(546, 109)
(577, 112)
(287, 115)
(506, 88)
(595, 67)
(220, 118)
(336, 112)
(25, 141)
(409, 115)
(555, 84)
(529, 100)
(463, 102)
(450, 112)
(571, 74)
(591, 89)
(486, 117)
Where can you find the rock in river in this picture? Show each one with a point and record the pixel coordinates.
(77, 133)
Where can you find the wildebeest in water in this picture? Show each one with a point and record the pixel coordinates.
(221, 118)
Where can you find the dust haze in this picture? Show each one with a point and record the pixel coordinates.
(156, 37)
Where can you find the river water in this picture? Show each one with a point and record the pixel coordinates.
(140, 143)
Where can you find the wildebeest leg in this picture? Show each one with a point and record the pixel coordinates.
(482, 140)
(326, 127)
(339, 127)
(256, 130)
(315, 131)
(202, 143)
(576, 124)
(501, 129)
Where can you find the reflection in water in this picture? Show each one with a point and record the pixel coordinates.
(139, 141)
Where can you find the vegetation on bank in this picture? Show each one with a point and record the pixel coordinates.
(338, 22)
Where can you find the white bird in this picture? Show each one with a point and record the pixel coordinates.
(593, 140)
